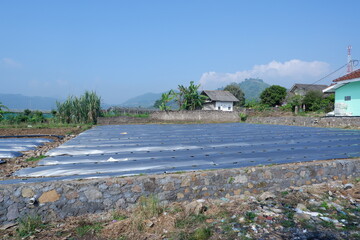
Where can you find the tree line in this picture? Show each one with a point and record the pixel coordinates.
(189, 98)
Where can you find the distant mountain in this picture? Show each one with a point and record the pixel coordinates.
(146, 100)
(252, 88)
(18, 102)
(21, 102)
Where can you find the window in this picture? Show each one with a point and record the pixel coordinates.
(347, 98)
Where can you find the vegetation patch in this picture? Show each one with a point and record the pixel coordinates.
(29, 225)
(34, 159)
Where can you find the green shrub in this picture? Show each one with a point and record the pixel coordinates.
(28, 225)
(243, 116)
(201, 234)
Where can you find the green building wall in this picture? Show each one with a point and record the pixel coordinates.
(353, 90)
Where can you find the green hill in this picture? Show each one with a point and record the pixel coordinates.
(252, 88)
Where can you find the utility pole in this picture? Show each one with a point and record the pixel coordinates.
(350, 62)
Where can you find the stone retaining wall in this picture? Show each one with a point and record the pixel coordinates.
(174, 116)
(193, 116)
(341, 122)
(121, 120)
(53, 200)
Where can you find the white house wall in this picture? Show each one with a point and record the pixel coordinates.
(224, 106)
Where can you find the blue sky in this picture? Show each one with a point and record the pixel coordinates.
(122, 49)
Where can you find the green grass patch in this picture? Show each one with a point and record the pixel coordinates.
(231, 180)
(327, 224)
(34, 159)
(201, 234)
(88, 228)
(118, 216)
(284, 193)
(250, 216)
(28, 225)
(287, 223)
(191, 220)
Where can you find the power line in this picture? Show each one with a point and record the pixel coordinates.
(355, 63)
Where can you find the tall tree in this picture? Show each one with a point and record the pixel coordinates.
(237, 92)
(273, 95)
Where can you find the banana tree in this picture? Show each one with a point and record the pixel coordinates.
(2, 107)
(190, 97)
(165, 99)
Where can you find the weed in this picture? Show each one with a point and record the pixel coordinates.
(250, 216)
(227, 228)
(88, 228)
(327, 224)
(355, 236)
(34, 159)
(118, 216)
(307, 225)
(28, 225)
(147, 207)
(190, 220)
(122, 238)
(231, 180)
(287, 223)
(324, 205)
(175, 209)
(243, 117)
(284, 193)
(201, 234)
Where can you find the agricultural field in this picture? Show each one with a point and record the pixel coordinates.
(123, 150)
(323, 211)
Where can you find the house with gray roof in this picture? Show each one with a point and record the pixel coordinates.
(219, 100)
(302, 89)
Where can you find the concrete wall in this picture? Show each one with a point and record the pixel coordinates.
(200, 115)
(60, 199)
(337, 122)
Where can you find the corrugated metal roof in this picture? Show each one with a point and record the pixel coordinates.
(220, 95)
(309, 87)
(349, 76)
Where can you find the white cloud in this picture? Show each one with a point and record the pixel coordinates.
(8, 62)
(284, 74)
